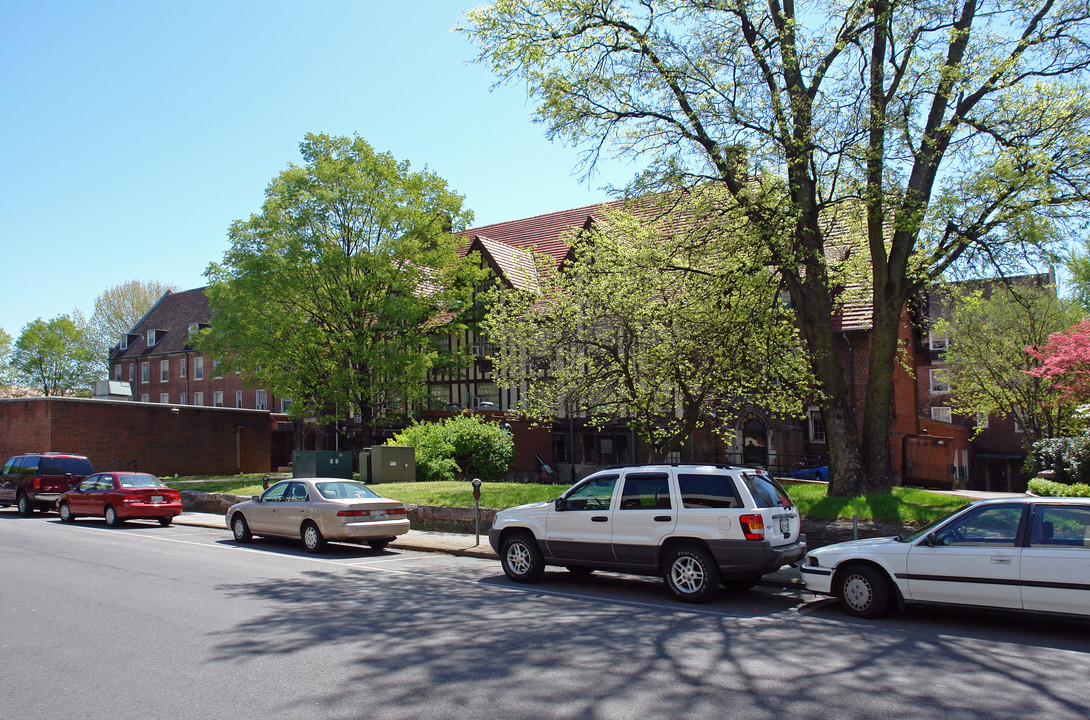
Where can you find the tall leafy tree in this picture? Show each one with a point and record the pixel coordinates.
(991, 374)
(651, 323)
(52, 356)
(6, 377)
(938, 123)
(331, 294)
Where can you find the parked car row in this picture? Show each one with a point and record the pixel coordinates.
(699, 527)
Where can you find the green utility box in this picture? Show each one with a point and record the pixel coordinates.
(393, 463)
(321, 463)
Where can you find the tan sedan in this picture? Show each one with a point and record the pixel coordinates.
(316, 510)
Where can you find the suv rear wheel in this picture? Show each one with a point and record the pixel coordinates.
(691, 573)
(521, 558)
(23, 504)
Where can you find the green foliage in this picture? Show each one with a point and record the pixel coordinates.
(986, 356)
(1068, 458)
(459, 445)
(1051, 488)
(459, 493)
(662, 315)
(911, 506)
(945, 141)
(52, 357)
(331, 294)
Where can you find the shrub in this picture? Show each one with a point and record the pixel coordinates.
(463, 444)
(1069, 458)
(1050, 488)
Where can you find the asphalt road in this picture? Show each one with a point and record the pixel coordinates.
(181, 622)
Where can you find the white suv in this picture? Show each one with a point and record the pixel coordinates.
(695, 525)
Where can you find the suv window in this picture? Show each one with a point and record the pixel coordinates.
(12, 466)
(766, 491)
(29, 466)
(593, 495)
(646, 491)
(63, 465)
(708, 491)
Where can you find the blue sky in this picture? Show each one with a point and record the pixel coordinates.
(136, 132)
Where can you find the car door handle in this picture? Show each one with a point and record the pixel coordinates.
(599, 518)
(1001, 560)
(663, 518)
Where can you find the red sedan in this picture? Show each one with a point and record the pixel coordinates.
(121, 496)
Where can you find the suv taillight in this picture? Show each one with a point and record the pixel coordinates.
(37, 484)
(753, 527)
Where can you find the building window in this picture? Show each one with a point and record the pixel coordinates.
(217, 398)
(144, 397)
(940, 380)
(145, 372)
(164, 398)
(130, 372)
(181, 367)
(982, 421)
(285, 404)
(194, 328)
(117, 372)
(937, 342)
(817, 425)
(216, 374)
(124, 344)
(238, 398)
(164, 370)
(181, 399)
(259, 400)
(942, 414)
(198, 368)
(198, 398)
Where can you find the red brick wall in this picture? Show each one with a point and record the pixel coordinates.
(175, 385)
(193, 441)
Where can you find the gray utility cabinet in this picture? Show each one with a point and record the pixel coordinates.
(393, 463)
(321, 463)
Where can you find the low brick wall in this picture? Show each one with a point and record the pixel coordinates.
(452, 519)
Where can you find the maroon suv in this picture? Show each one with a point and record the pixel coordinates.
(36, 480)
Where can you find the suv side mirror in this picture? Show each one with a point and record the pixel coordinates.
(561, 504)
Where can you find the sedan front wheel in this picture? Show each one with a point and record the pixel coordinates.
(862, 592)
(66, 513)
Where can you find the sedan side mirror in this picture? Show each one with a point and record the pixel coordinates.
(932, 539)
(255, 498)
(561, 504)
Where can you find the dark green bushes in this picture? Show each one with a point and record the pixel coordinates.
(460, 445)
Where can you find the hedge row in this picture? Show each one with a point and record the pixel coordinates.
(1050, 488)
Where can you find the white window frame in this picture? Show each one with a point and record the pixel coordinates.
(117, 372)
(816, 430)
(132, 372)
(198, 399)
(285, 404)
(164, 398)
(144, 397)
(938, 380)
(216, 374)
(238, 398)
(145, 372)
(153, 337)
(941, 413)
(261, 400)
(181, 367)
(217, 398)
(164, 370)
(937, 342)
(181, 399)
(198, 367)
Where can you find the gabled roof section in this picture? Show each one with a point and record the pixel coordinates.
(542, 233)
(510, 263)
(171, 318)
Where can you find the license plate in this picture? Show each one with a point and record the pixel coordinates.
(785, 525)
(378, 514)
(156, 498)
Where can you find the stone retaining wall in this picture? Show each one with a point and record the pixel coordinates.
(451, 519)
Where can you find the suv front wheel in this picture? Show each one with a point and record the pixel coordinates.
(691, 573)
(521, 558)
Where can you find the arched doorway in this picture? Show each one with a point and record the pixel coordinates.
(754, 442)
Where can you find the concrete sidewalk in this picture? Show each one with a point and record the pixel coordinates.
(460, 544)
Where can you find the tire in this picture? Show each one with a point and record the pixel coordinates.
(66, 513)
(740, 584)
(691, 574)
(521, 558)
(378, 544)
(240, 529)
(165, 521)
(312, 537)
(862, 591)
(23, 504)
(579, 570)
(111, 516)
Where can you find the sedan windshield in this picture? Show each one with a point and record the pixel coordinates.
(917, 534)
(344, 490)
(141, 481)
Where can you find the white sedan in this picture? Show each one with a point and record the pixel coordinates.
(319, 509)
(1021, 553)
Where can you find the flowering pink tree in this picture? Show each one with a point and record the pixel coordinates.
(1065, 361)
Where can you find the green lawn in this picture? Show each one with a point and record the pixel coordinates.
(903, 505)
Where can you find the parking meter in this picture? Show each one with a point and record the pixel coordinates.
(477, 507)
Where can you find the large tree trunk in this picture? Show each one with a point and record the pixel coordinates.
(878, 405)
